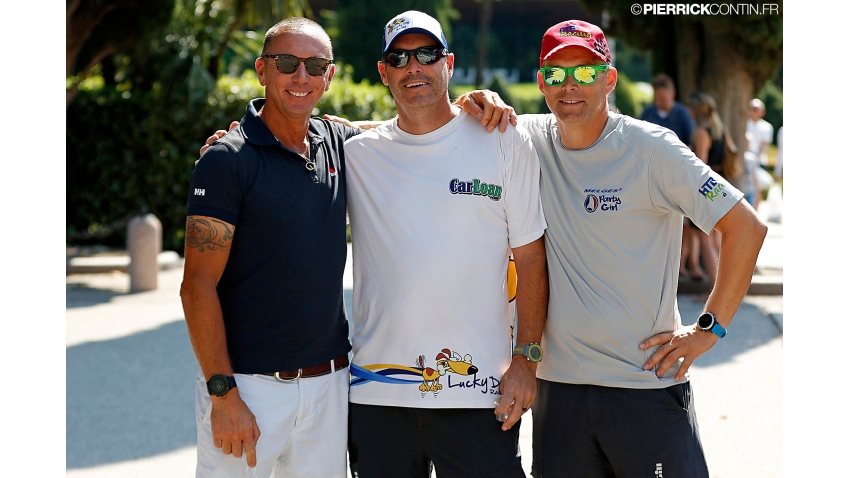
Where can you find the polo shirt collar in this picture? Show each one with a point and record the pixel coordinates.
(258, 133)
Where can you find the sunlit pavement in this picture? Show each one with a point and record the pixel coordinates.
(130, 380)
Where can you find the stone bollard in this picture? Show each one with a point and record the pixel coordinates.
(144, 243)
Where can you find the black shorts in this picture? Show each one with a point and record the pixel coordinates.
(587, 431)
(399, 442)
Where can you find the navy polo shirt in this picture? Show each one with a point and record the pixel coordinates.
(281, 290)
(678, 121)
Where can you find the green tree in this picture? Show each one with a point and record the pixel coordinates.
(95, 30)
(728, 56)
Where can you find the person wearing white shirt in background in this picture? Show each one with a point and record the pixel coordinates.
(759, 131)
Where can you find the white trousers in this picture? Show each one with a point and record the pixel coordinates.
(303, 428)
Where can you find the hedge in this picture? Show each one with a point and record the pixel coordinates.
(128, 153)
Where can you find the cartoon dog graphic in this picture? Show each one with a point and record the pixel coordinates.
(447, 361)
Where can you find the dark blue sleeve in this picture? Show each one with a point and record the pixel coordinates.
(215, 189)
(688, 127)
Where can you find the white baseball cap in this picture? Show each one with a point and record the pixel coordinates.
(412, 21)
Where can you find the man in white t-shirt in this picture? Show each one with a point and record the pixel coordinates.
(759, 131)
(438, 206)
(613, 393)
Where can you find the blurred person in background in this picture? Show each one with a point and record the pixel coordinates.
(669, 113)
(666, 111)
(759, 131)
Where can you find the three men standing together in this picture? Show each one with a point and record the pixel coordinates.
(432, 252)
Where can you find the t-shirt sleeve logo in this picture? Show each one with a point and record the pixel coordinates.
(711, 188)
(200, 192)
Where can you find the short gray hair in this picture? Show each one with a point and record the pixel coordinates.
(295, 25)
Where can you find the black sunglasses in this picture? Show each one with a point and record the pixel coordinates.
(289, 63)
(424, 55)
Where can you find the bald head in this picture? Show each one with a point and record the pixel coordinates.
(301, 26)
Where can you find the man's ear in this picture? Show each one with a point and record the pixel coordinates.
(330, 73)
(611, 77)
(450, 61)
(540, 81)
(382, 69)
(260, 66)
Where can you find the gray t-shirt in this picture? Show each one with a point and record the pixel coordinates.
(613, 245)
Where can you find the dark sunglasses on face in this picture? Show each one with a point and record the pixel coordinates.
(289, 64)
(582, 74)
(424, 55)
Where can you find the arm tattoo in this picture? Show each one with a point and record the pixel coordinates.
(202, 234)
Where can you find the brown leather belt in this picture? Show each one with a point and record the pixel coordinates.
(313, 371)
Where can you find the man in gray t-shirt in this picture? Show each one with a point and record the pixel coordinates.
(613, 391)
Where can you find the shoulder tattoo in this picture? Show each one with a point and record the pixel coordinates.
(203, 234)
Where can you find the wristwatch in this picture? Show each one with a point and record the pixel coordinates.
(533, 351)
(219, 385)
(708, 323)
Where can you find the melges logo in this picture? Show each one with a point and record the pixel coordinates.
(602, 199)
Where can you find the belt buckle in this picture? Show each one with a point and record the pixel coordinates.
(277, 376)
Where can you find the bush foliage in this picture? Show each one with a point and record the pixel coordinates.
(128, 154)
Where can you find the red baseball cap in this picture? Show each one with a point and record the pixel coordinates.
(577, 33)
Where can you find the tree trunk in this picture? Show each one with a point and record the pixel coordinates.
(483, 39)
(708, 63)
(727, 80)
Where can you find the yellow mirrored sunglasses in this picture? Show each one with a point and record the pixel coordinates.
(582, 74)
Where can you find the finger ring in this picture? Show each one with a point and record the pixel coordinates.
(524, 409)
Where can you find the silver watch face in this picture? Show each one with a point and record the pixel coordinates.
(705, 321)
(535, 353)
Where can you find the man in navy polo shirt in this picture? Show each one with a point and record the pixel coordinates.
(262, 289)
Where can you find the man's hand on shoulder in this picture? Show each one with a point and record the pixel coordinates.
(215, 137)
(686, 343)
(489, 108)
(354, 124)
(234, 427)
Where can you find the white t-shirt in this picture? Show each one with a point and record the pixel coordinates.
(759, 132)
(613, 243)
(433, 220)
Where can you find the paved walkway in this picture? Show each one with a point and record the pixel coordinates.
(130, 409)
(130, 375)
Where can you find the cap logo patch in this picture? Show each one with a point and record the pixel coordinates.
(602, 48)
(571, 31)
(399, 23)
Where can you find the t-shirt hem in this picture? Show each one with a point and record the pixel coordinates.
(424, 403)
(648, 385)
(718, 215)
(528, 239)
